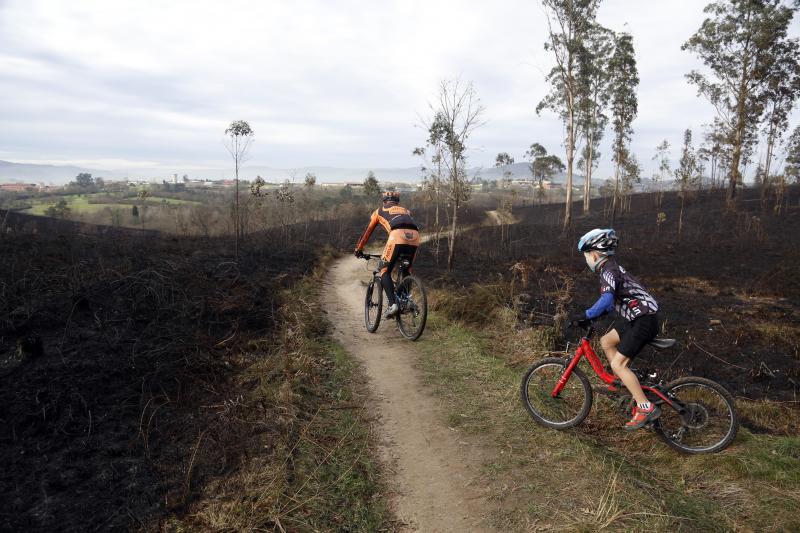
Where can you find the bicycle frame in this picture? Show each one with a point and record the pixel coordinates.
(585, 349)
(402, 269)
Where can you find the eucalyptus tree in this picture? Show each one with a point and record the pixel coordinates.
(687, 173)
(542, 165)
(718, 151)
(791, 170)
(662, 157)
(623, 81)
(792, 167)
(456, 114)
(238, 142)
(504, 160)
(534, 155)
(432, 177)
(780, 94)
(739, 42)
(631, 173)
(593, 97)
(549, 165)
(709, 151)
(569, 23)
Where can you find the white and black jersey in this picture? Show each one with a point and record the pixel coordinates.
(631, 299)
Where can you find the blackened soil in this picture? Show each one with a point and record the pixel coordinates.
(729, 285)
(116, 359)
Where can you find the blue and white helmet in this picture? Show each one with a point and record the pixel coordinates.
(604, 241)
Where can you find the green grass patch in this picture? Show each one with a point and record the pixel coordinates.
(87, 203)
(598, 476)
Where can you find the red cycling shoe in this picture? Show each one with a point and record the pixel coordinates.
(642, 417)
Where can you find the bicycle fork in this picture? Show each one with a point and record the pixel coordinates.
(567, 373)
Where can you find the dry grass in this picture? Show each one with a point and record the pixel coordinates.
(781, 418)
(311, 466)
(782, 335)
(597, 477)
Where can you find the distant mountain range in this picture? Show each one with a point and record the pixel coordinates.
(61, 174)
(24, 172)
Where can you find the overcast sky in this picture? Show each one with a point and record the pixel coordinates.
(145, 84)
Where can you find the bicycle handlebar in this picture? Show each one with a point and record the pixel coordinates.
(587, 326)
(370, 256)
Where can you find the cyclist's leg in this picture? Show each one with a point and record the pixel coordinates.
(609, 343)
(389, 260)
(620, 367)
(634, 338)
(406, 252)
(619, 364)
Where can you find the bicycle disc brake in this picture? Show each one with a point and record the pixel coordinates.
(695, 417)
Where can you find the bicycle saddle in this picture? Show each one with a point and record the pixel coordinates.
(661, 344)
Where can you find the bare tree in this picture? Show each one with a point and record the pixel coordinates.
(687, 174)
(240, 137)
(457, 113)
(662, 156)
(503, 159)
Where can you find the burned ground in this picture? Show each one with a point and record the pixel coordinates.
(121, 362)
(729, 286)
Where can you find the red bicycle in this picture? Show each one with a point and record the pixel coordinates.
(697, 415)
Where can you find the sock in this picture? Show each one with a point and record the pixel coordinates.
(644, 406)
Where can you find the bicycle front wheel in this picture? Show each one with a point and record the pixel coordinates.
(413, 304)
(569, 408)
(709, 420)
(373, 304)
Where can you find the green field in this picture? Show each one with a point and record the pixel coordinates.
(79, 204)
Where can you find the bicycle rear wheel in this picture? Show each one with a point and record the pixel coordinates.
(566, 410)
(413, 304)
(373, 303)
(709, 422)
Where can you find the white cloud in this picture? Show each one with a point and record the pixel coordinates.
(329, 83)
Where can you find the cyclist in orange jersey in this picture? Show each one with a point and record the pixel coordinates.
(402, 242)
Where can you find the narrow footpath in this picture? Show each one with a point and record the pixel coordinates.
(432, 473)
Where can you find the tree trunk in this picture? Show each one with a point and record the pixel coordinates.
(451, 253)
(739, 131)
(680, 218)
(765, 182)
(616, 194)
(236, 214)
(713, 172)
(436, 196)
(570, 157)
(587, 176)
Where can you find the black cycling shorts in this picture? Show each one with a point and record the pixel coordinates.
(635, 335)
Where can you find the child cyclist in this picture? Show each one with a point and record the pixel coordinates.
(637, 308)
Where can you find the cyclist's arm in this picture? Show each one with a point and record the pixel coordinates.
(603, 305)
(373, 222)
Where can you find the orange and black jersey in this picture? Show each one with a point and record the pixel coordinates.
(391, 218)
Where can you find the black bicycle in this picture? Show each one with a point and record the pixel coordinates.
(410, 296)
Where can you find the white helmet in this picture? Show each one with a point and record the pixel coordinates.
(604, 241)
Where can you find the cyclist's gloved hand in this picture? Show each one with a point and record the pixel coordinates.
(579, 319)
(358, 253)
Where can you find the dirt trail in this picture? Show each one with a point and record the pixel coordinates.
(435, 475)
